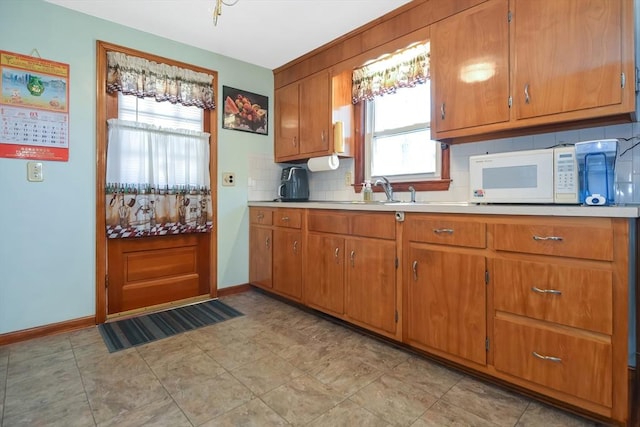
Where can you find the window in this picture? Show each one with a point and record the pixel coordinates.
(398, 141)
(163, 114)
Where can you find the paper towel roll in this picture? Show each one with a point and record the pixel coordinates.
(326, 163)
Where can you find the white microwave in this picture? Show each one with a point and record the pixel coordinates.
(530, 176)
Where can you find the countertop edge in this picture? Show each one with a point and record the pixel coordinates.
(435, 207)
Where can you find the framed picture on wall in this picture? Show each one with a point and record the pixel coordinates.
(245, 111)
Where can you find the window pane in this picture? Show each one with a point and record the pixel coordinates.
(164, 114)
(403, 154)
(406, 107)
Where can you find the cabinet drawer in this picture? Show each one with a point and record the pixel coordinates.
(328, 222)
(559, 239)
(291, 218)
(260, 216)
(376, 225)
(583, 366)
(572, 296)
(455, 232)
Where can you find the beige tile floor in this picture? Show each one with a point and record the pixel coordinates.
(275, 366)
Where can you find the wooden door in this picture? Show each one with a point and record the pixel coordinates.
(260, 250)
(567, 56)
(287, 262)
(315, 115)
(324, 277)
(371, 282)
(287, 121)
(144, 272)
(446, 301)
(470, 68)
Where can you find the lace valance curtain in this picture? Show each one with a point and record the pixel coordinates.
(132, 75)
(405, 68)
(157, 181)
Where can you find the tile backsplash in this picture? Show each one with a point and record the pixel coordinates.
(264, 174)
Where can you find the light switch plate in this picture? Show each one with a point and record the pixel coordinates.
(34, 172)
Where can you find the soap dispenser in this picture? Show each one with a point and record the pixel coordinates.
(367, 192)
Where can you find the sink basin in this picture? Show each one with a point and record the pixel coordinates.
(430, 203)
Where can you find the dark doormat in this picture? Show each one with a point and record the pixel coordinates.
(139, 330)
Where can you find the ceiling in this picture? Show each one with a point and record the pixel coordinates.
(268, 33)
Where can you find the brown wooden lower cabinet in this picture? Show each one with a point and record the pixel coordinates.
(490, 294)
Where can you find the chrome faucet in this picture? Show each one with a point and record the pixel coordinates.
(412, 190)
(386, 186)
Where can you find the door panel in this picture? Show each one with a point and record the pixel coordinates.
(155, 270)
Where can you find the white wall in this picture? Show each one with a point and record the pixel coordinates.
(47, 229)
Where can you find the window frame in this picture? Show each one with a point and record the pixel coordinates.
(442, 184)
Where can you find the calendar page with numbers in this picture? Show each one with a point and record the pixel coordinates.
(34, 108)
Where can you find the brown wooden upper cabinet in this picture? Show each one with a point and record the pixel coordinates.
(305, 115)
(303, 119)
(510, 64)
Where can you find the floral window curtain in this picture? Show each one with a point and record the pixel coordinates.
(157, 181)
(132, 75)
(405, 68)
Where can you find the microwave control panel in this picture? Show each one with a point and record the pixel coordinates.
(566, 175)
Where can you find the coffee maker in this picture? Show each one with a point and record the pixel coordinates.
(294, 185)
(596, 171)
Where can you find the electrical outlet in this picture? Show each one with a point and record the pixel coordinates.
(228, 179)
(34, 172)
(347, 179)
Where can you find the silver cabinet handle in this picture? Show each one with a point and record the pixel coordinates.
(285, 218)
(353, 258)
(549, 358)
(414, 268)
(267, 242)
(552, 238)
(336, 255)
(546, 291)
(295, 247)
(322, 136)
(527, 99)
(443, 230)
(260, 216)
(442, 111)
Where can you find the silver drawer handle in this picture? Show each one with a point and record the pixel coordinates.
(295, 247)
(549, 358)
(553, 238)
(285, 218)
(546, 291)
(443, 230)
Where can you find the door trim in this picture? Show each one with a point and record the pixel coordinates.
(105, 104)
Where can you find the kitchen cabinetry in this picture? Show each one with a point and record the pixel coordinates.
(470, 68)
(260, 247)
(303, 119)
(569, 61)
(287, 252)
(351, 267)
(556, 283)
(445, 285)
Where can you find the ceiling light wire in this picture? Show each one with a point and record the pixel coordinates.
(217, 10)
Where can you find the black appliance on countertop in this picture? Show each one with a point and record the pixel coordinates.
(294, 185)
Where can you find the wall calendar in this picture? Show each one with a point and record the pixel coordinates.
(34, 108)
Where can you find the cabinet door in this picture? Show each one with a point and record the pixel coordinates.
(371, 282)
(470, 68)
(567, 56)
(260, 247)
(287, 120)
(315, 115)
(324, 267)
(287, 262)
(446, 302)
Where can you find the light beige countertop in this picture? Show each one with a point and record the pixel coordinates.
(626, 211)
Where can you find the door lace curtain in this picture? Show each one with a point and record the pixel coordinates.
(157, 181)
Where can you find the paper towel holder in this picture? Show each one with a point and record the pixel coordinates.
(338, 137)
